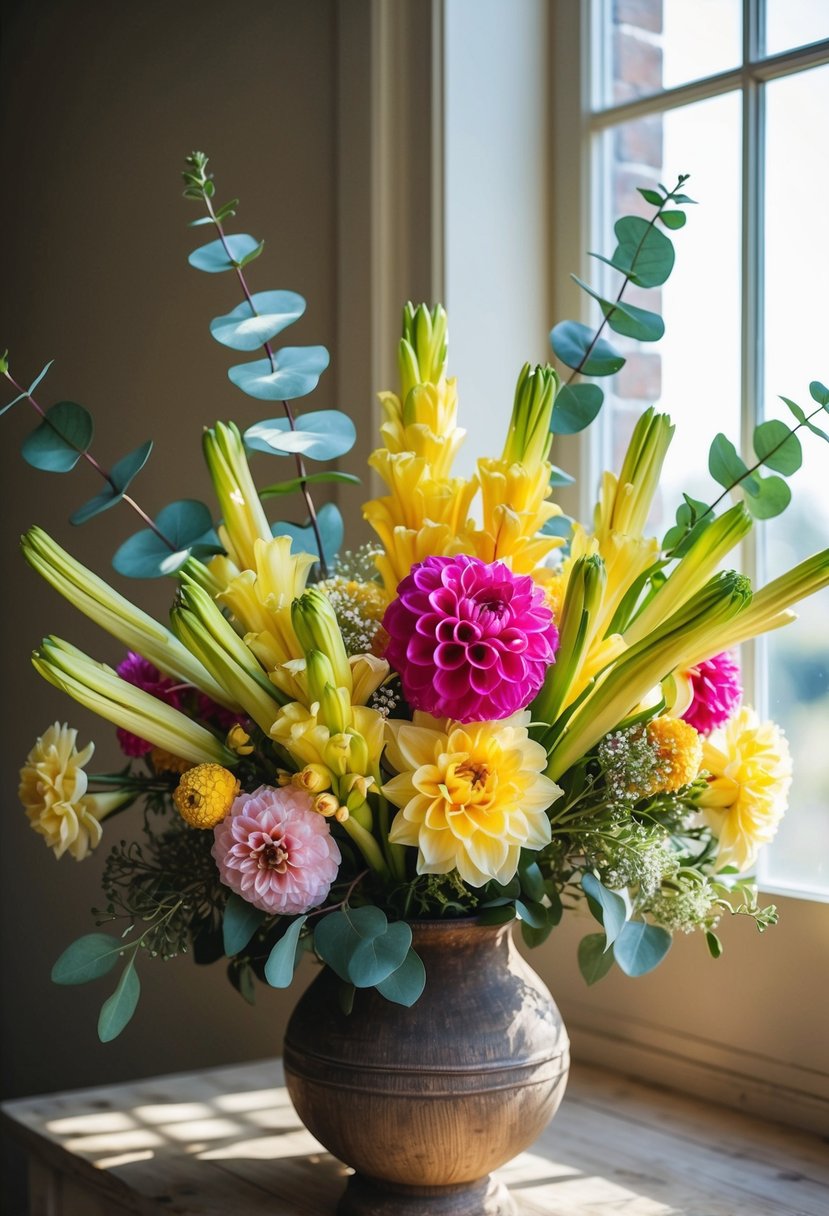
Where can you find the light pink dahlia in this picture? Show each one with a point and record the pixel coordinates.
(716, 689)
(275, 851)
(144, 675)
(470, 640)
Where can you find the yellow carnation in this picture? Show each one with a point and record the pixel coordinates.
(53, 791)
(749, 773)
(205, 794)
(471, 796)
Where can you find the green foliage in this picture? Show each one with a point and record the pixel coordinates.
(239, 923)
(644, 254)
(595, 960)
(575, 407)
(188, 527)
(313, 479)
(406, 982)
(252, 324)
(612, 909)
(281, 964)
(119, 478)
(289, 373)
(60, 440)
(28, 392)
(363, 949)
(228, 253)
(640, 947)
(303, 537)
(577, 346)
(119, 1008)
(321, 435)
(88, 958)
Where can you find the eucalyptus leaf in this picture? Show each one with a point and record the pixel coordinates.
(673, 219)
(121, 474)
(375, 958)
(650, 196)
(29, 390)
(614, 911)
(58, 443)
(534, 914)
(239, 923)
(88, 958)
(38, 378)
(725, 464)
(800, 415)
(595, 960)
(577, 346)
(714, 944)
(320, 435)
(406, 983)
(646, 254)
(818, 392)
(497, 914)
(303, 540)
(213, 257)
(279, 969)
(532, 880)
(248, 328)
(313, 479)
(536, 937)
(625, 319)
(187, 524)
(640, 947)
(119, 1008)
(777, 447)
(338, 935)
(294, 372)
(559, 477)
(575, 407)
(767, 497)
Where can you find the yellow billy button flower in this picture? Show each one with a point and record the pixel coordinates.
(471, 796)
(749, 773)
(679, 748)
(205, 794)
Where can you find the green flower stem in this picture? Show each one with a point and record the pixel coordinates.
(302, 471)
(90, 459)
(395, 853)
(368, 846)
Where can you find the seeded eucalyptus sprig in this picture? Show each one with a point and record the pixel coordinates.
(282, 375)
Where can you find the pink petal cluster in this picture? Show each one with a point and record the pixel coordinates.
(470, 640)
(140, 672)
(275, 851)
(716, 692)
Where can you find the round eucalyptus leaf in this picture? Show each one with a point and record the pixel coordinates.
(725, 464)
(595, 960)
(58, 443)
(777, 447)
(144, 555)
(576, 346)
(646, 254)
(321, 435)
(121, 474)
(303, 540)
(626, 319)
(767, 496)
(375, 958)
(818, 392)
(575, 407)
(248, 328)
(640, 947)
(187, 524)
(213, 257)
(673, 219)
(405, 985)
(295, 372)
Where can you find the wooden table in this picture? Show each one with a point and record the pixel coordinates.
(228, 1143)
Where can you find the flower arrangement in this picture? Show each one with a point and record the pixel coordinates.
(493, 711)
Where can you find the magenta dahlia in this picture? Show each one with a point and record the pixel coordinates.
(716, 688)
(469, 639)
(275, 851)
(141, 672)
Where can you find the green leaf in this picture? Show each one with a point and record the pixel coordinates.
(644, 252)
(640, 947)
(58, 443)
(313, 479)
(714, 944)
(818, 392)
(685, 199)
(595, 960)
(625, 319)
(279, 969)
(575, 407)
(241, 975)
(320, 435)
(87, 959)
(38, 378)
(405, 985)
(650, 196)
(213, 257)
(248, 328)
(673, 219)
(558, 525)
(339, 934)
(725, 464)
(535, 914)
(767, 496)
(375, 958)
(121, 474)
(303, 540)
(532, 880)
(535, 937)
(204, 219)
(559, 478)
(295, 372)
(800, 415)
(497, 914)
(119, 1008)
(227, 209)
(31, 388)
(777, 447)
(254, 253)
(187, 524)
(571, 342)
(612, 907)
(239, 923)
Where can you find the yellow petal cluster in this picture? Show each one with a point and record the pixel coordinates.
(676, 750)
(53, 791)
(749, 774)
(205, 794)
(471, 796)
(515, 508)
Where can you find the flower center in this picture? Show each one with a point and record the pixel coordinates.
(273, 856)
(477, 774)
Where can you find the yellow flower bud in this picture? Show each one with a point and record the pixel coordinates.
(314, 778)
(327, 805)
(238, 740)
(341, 814)
(283, 777)
(205, 794)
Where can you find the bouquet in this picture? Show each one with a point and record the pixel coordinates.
(491, 711)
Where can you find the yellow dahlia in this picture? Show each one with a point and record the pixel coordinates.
(471, 796)
(749, 773)
(53, 791)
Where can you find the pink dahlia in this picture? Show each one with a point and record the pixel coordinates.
(470, 640)
(140, 672)
(275, 851)
(716, 689)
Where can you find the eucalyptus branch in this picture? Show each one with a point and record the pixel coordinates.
(90, 460)
(202, 184)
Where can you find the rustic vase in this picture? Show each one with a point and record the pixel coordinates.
(425, 1102)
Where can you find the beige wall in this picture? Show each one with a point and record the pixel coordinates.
(102, 100)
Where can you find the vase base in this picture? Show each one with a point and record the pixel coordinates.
(485, 1198)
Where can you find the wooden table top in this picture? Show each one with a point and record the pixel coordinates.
(228, 1141)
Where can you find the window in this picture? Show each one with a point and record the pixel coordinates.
(736, 94)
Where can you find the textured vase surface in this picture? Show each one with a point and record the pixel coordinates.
(425, 1102)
